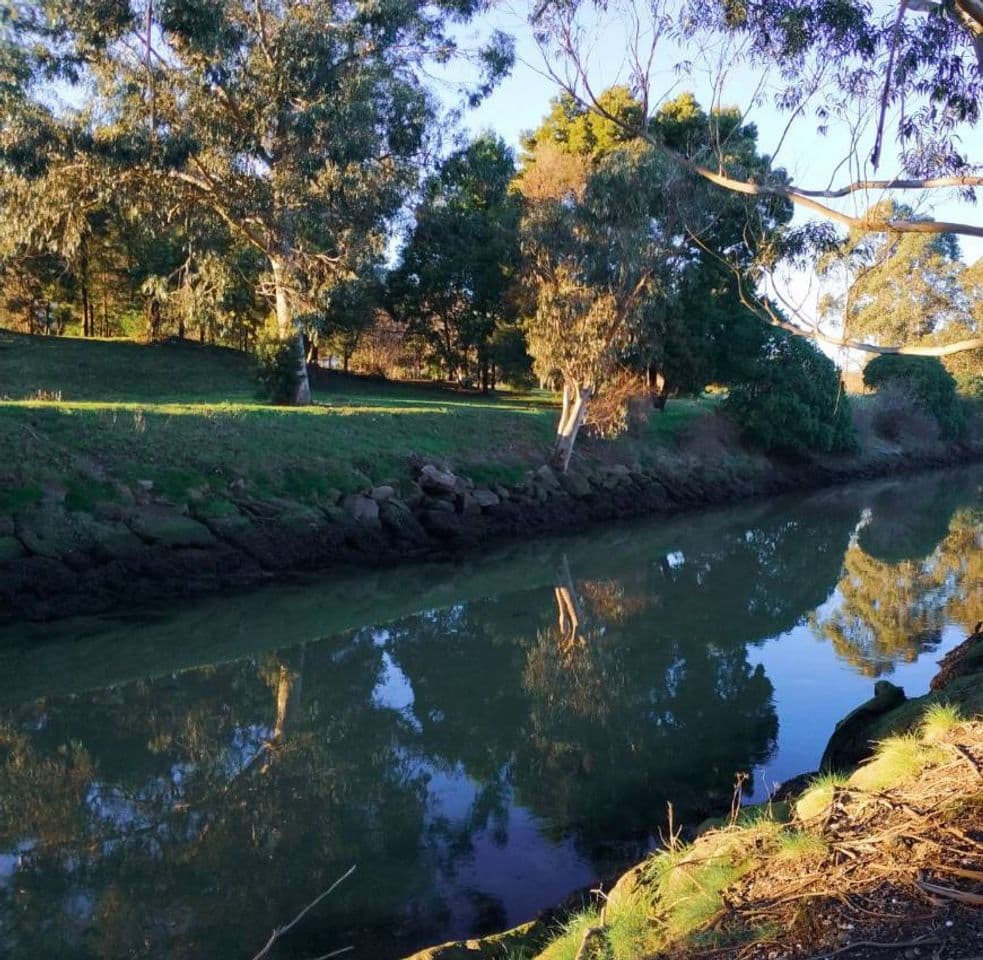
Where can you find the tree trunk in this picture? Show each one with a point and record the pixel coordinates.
(287, 329)
(660, 392)
(575, 401)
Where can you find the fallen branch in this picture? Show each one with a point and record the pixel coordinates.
(877, 944)
(950, 893)
(280, 931)
(967, 756)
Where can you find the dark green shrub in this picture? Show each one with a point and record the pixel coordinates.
(789, 399)
(927, 381)
(277, 370)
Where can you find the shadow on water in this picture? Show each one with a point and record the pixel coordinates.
(480, 739)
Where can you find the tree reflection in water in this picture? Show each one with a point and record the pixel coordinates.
(906, 573)
(454, 751)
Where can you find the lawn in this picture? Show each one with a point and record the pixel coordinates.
(82, 414)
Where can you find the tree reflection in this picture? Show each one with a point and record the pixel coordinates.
(186, 816)
(894, 610)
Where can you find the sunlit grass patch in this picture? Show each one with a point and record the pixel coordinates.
(567, 943)
(800, 845)
(897, 759)
(815, 800)
(938, 720)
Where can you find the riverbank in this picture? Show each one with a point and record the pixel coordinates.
(141, 547)
(884, 854)
(127, 486)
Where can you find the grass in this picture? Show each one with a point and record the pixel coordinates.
(185, 417)
(897, 759)
(677, 902)
(815, 800)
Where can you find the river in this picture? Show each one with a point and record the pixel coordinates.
(481, 739)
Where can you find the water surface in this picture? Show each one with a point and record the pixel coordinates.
(480, 739)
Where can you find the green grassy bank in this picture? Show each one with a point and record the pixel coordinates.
(87, 414)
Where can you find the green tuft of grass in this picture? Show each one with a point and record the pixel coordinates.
(938, 720)
(897, 760)
(800, 845)
(815, 800)
(567, 943)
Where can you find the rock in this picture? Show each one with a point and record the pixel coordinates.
(397, 518)
(435, 503)
(467, 506)
(382, 492)
(576, 484)
(145, 485)
(525, 940)
(159, 525)
(409, 492)
(964, 660)
(10, 549)
(485, 498)
(503, 492)
(547, 477)
(6, 527)
(446, 526)
(363, 509)
(851, 740)
(435, 480)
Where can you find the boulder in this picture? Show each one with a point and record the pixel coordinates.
(435, 480)
(398, 519)
(10, 549)
(851, 741)
(485, 498)
(361, 508)
(547, 477)
(576, 484)
(382, 492)
(409, 491)
(165, 527)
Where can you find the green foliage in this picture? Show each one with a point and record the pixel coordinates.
(927, 380)
(277, 371)
(791, 399)
(452, 286)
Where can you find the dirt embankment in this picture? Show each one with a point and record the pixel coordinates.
(141, 548)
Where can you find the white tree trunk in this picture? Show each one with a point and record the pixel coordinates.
(287, 329)
(575, 401)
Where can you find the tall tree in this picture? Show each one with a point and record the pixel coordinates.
(296, 123)
(895, 288)
(828, 56)
(452, 286)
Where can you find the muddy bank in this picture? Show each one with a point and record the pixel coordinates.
(139, 548)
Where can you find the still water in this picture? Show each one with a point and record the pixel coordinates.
(479, 739)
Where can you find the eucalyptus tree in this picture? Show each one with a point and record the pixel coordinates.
(453, 284)
(854, 67)
(299, 124)
(625, 252)
(896, 288)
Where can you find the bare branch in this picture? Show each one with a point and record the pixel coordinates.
(280, 931)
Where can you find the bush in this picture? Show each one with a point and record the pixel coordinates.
(277, 371)
(970, 385)
(927, 381)
(790, 399)
(895, 414)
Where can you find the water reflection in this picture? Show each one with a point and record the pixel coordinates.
(480, 742)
